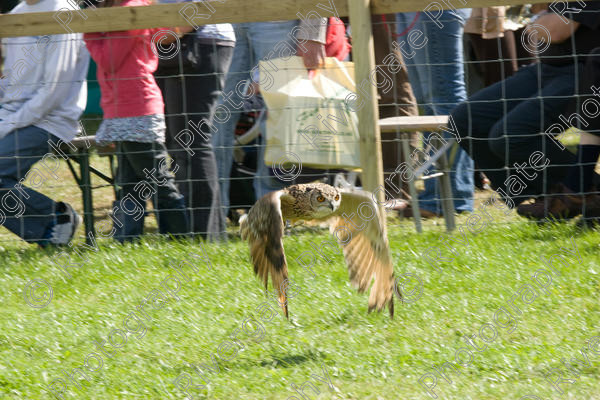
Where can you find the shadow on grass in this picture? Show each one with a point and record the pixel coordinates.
(290, 360)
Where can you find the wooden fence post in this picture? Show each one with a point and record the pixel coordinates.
(363, 55)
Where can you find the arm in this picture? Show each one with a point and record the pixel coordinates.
(314, 32)
(557, 30)
(109, 52)
(179, 31)
(313, 29)
(61, 57)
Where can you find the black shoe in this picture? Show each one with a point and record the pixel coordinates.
(61, 231)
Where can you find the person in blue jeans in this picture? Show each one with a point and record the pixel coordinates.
(436, 74)
(41, 105)
(258, 41)
(509, 127)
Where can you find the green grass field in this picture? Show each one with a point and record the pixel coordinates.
(366, 356)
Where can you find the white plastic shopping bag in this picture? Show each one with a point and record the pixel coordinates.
(308, 116)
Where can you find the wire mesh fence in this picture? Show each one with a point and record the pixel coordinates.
(194, 126)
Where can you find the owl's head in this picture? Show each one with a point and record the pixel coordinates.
(324, 200)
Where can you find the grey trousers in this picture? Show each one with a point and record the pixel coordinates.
(190, 95)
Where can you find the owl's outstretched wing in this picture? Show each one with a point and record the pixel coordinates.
(263, 228)
(360, 229)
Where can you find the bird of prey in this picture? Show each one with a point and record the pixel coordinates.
(352, 215)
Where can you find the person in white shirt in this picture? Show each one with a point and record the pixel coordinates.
(43, 93)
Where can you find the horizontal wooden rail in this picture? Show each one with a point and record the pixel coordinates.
(410, 123)
(207, 12)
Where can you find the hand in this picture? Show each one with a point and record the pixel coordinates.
(537, 8)
(314, 57)
(254, 88)
(179, 31)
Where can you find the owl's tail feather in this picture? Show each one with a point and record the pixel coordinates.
(279, 278)
(382, 294)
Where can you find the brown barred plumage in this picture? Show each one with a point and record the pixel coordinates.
(365, 244)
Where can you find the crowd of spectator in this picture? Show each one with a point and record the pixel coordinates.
(506, 99)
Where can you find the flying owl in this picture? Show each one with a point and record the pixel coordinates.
(352, 215)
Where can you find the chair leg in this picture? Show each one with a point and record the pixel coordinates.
(113, 173)
(86, 192)
(414, 196)
(446, 191)
(352, 178)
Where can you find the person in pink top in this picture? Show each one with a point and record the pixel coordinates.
(134, 120)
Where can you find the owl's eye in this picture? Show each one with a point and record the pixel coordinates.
(320, 199)
(337, 197)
